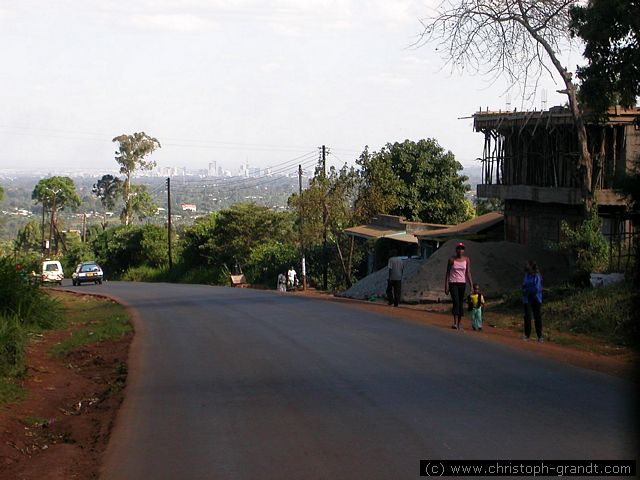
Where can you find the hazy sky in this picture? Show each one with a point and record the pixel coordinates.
(227, 80)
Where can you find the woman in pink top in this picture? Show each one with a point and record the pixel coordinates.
(455, 281)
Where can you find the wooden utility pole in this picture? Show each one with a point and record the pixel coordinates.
(44, 245)
(51, 225)
(325, 258)
(84, 227)
(303, 264)
(169, 220)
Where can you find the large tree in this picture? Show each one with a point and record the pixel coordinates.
(325, 209)
(611, 32)
(520, 39)
(55, 193)
(107, 189)
(131, 156)
(230, 235)
(417, 180)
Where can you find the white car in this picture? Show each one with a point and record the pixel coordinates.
(52, 272)
(87, 272)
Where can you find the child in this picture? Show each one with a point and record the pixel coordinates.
(476, 301)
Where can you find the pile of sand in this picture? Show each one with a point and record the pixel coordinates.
(497, 266)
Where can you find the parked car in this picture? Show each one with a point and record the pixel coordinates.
(52, 272)
(87, 272)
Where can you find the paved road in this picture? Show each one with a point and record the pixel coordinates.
(242, 384)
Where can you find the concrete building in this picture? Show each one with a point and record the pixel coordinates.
(530, 161)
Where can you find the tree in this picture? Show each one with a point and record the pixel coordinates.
(131, 156)
(326, 208)
(515, 38)
(55, 193)
(417, 180)
(1, 193)
(107, 189)
(120, 248)
(611, 32)
(29, 237)
(243, 227)
(141, 202)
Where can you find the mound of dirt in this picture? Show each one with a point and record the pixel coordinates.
(497, 266)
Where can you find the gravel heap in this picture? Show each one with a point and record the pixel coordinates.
(497, 266)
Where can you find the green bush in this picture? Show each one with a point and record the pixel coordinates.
(26, 301)
(587, 245)
(121, 248)
(268, 260)
(145, 273)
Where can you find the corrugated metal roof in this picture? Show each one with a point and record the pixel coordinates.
(374, 231)
(473, 226)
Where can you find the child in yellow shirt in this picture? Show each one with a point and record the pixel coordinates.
(476, 301)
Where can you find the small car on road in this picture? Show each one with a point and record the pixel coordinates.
(87, 272)
(52, 272)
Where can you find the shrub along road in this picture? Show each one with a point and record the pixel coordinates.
(235, 383)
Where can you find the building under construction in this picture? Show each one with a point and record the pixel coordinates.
(531, 161)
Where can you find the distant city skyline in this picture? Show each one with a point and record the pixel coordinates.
(231, 83)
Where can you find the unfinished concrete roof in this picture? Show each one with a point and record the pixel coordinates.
(470, 227)
(554, 116)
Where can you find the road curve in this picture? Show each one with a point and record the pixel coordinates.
(243, 384)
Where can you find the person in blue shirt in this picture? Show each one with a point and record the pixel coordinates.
(532, 300)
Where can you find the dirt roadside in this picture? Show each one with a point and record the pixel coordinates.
(62, 429)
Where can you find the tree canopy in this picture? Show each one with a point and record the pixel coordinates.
(108, 189)
(58, 191)
(416, 180)
(131, 156)
(326, 208)
(230, 235)
(611, 32)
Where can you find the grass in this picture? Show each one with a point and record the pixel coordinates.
(98, 320)
(596, 319)
(10, 391)
(34, 421)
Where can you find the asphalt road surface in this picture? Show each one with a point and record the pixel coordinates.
(243, 384)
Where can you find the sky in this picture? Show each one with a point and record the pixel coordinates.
(230, 81)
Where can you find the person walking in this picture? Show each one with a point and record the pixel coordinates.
(394, 282)
(455, 281)
(476, 302)
(532, 300)
(292, 278)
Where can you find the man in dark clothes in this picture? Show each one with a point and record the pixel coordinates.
(395, 278)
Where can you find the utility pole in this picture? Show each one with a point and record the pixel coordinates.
(325, 259)
(304, 266)
(169, 220)
(44, 245)
(53, 213)
(84, 228)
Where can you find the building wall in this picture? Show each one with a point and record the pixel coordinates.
(537, 224)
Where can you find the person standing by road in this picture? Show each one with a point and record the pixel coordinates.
(394, 282)
(282, 282)
(455, 281)
(532, 300)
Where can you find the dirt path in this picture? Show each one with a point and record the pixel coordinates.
(62, 427)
